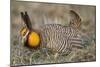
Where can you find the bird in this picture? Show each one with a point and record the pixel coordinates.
(56, 37)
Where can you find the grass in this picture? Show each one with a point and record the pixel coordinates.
(21, 55)
(24, 56)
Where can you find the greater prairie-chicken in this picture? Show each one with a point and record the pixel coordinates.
(56, 37)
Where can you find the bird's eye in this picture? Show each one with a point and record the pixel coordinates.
(24, 33)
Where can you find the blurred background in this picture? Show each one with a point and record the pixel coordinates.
(48, 13)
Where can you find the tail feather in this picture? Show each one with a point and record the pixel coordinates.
(75, 20)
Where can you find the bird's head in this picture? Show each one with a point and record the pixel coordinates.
(29, 38)
(24, 33)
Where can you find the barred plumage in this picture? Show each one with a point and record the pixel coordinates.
(57, 37)
(60, 38)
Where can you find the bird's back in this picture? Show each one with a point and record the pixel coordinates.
(59, 38)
